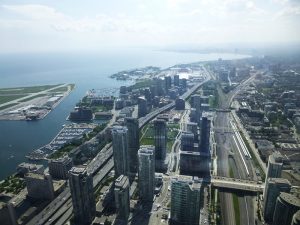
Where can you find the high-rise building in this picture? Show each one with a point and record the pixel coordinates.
(193, 128)
(39, 186)
(186, 196)
(179, 104)
(120, 150)
(296, 218)
(176, 80)
(183, 83)
(286, 206)
(160, 139)
(122, 198)
(274, 165)
(59, 168)
(158, 87)
(205, 135)
(194, 164)
(132, 125)
(146, 174)
(142, 107)
(273, 188)
(81, 187)
(168, 82)
(187, 141)
(196, 103)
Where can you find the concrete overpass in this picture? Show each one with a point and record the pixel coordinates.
(236, 184)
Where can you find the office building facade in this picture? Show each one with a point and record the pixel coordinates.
(160, 139)
(205, 135)
(187, 141)
(296, 218)
(186, 194)
(132, 125)
(59, 168)
(146, 173)
(82, 192)
(142, 107)
(274, 165)
(39, 186)
(286, 206)
(176, 80)
(120, 150)
(122, 198)
(194, 164)
(272, 190)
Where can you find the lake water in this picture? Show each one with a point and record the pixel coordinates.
(87, 71)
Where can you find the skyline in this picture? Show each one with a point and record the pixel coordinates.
(31, 26)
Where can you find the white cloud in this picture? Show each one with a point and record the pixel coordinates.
(48, 16)
(147, 23)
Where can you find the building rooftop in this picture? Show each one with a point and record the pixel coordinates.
(193, 182)
(279, 181)
(61, 160)
(122, 182)
(35, 176)
(290, 199)
(77, 170)
(146, 149)
(276, 157)
(119, 129)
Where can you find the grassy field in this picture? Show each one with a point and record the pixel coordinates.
(8, 98)
(7, 106)
(25, 90)
(12, 184)
(63, 89)
(33, 97)
(142, 84)
(11, 94)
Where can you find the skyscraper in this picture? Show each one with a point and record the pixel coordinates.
(187, 141)
(196, 103)
(168, 83)
(81, 186)
(146, 174)
(286, 206)
(186, 195)
(142, 107)
(296, 218)
(59, 168)
(39, 186)
(122, 198)
(176, 80)
(205, 135)
(272, 190)
(120, 150)
(160, 139)
(194, 164)
(193, 128)
(132, 125)
(274, 165)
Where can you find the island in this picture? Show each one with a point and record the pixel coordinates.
(31, 103)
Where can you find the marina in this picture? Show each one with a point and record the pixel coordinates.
(69, 133)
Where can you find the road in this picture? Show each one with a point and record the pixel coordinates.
(227, 146)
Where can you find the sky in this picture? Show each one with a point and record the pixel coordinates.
(57, 25)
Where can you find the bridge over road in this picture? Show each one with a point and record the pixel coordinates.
(236, 184)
